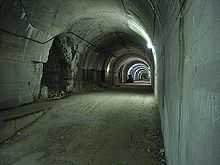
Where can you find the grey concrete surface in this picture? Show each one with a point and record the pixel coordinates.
(97, 128)
(189, 82)
(16, 119)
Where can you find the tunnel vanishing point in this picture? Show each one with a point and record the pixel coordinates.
(55, 48)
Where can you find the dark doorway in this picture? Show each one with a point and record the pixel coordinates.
(57, 71)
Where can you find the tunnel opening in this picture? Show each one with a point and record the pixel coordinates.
(57, 78)
(133, 69)
(113, 54)
(140, 73)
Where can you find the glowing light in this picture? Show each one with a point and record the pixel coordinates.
(136, 27)
(138, 71)
(108, 69)
(140, 30)
(137, 65)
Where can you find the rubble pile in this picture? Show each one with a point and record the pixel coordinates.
(156, 147)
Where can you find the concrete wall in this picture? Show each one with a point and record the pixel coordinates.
(20, 60)
(190, 90)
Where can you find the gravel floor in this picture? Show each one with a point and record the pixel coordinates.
(112, 127)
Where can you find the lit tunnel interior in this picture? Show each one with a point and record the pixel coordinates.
(97, 61)
(140, 71)
(62, 47)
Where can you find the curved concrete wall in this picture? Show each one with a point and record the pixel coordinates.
(189, 83)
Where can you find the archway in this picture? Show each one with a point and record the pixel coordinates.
(58, 75)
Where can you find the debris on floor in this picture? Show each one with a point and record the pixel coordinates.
(156, 147)
(113, 127)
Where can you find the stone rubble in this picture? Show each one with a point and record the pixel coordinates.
(156, 148)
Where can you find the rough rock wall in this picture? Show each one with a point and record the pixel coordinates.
(61, 70)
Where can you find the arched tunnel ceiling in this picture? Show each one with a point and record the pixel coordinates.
(106, 24)
(86, 18)
(119, 51)
(101, 30)
(128, 60)
(57, 15)
(137, 66)
(137, 69)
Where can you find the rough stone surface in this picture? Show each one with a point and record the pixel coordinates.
(61, 65)
(89, 128)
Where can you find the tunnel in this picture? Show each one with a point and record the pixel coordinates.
(80, 80)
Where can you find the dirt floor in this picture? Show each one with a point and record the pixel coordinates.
(111, 127)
